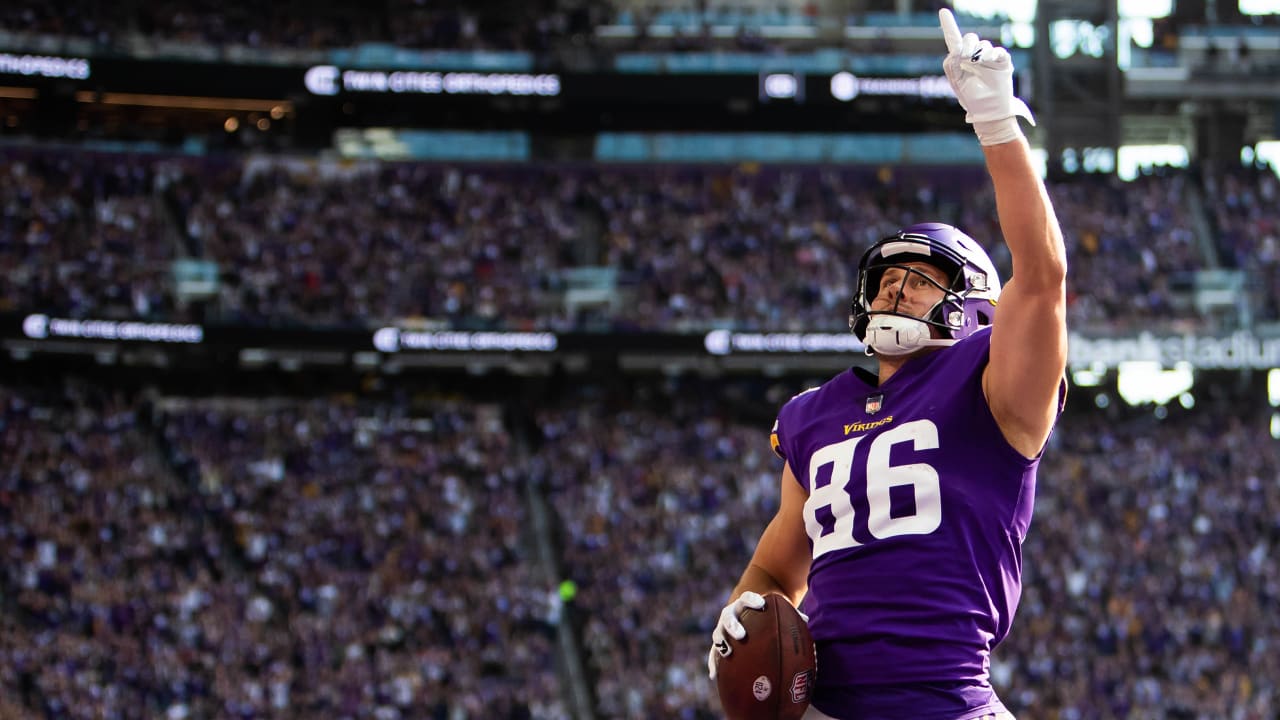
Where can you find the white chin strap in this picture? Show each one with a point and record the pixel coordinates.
(892, 335)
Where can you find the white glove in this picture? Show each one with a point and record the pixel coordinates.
(729, 625)
(982, 77)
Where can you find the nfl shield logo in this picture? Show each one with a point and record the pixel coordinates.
(800, 686)
(874, 403)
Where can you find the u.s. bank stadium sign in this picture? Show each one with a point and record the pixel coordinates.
(1238, 351)
(329, 80)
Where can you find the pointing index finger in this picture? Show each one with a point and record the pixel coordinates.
(950, 30)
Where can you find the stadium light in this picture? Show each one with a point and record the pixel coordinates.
(1269, 152)
(1273, 386)
(1091, 376)
(780, 86)
(1141, 382)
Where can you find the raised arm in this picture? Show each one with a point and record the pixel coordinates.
(1029, 333)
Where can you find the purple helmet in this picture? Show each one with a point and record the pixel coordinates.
(974, 285)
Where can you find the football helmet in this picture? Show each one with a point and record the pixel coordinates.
(967, 304)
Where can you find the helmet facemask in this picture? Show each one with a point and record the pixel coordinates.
(966, 305)
(894, 331)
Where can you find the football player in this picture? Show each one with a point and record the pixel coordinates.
(907, 493)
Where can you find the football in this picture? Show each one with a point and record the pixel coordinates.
(770, 673)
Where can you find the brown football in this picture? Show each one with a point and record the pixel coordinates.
(770, 672)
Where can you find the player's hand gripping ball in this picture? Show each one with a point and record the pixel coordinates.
(762, 659)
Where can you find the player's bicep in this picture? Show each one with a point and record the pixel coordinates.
(1028, 357)
(783, 550)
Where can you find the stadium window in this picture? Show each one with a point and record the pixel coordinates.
(1133, 158)
(1145, 8)
(1015, 10)
(1260, 7)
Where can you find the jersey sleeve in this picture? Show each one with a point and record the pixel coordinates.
(780, 435)
(774, 442)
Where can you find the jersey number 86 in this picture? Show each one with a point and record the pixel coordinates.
(829, 512)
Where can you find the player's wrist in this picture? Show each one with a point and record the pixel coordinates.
(998, 132)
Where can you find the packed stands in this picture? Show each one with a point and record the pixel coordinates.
(1149, 566)
(179, 548)
(1241, 205)
(690, 247)
(171, 557)
(292, 26)
(176, 556)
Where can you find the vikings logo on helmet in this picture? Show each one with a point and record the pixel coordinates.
(969, 298)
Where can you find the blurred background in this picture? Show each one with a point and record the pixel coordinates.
(416, 359)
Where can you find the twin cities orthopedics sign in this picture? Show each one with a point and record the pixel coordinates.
(43, 327)
(45, 66)
(727, 342)
(330, 80)
(1237, 351)
(391, 340)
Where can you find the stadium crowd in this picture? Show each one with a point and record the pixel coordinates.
(185, 557)
(82, 235)
(656, 502)
(1152, 570)
(413, 24)
(694, 247)
(1151, 567)
(340, 557)
(289, 559)
(438, 25)
(1246, 226)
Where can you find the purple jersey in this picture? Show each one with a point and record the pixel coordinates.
(916, 514)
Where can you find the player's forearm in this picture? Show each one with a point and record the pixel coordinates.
(757, 579)
(1027, 220)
